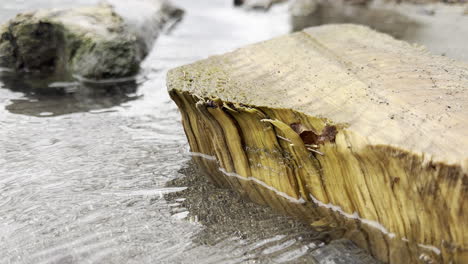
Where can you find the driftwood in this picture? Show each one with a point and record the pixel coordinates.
(339, 119)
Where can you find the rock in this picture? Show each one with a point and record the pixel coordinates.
(238, 2)
(147, 18)
(89, 42)
(257, 4)
(344, 119)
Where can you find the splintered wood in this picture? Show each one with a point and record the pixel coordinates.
(343, 120)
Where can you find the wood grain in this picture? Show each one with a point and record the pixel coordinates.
(398, 164)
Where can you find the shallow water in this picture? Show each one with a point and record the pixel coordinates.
(88, 177)
(97, 175)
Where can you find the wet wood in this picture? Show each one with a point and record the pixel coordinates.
(343, 119)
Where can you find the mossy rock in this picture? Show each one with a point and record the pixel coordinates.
(90, 42)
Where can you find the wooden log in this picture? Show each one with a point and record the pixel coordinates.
(342, 119)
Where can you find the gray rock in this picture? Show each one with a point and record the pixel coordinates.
(147, 18)
(257, 4)
(90, 42)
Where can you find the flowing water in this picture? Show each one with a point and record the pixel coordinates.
(95, 177)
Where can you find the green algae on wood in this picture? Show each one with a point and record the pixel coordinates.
(398, 162)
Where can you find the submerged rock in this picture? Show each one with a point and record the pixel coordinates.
(91, 42)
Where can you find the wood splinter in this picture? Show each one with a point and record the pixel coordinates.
(405, 178)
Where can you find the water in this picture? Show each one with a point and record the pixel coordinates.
(95, 176)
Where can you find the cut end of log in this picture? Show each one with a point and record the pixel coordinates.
(343, 118)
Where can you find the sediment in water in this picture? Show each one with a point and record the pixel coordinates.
(339, 125)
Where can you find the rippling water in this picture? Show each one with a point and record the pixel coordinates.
(88, 178)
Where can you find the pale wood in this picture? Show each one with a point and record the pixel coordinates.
(400, 157)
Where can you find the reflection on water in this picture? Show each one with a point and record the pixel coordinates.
(41, 97)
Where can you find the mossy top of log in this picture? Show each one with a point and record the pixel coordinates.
(388, 91)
